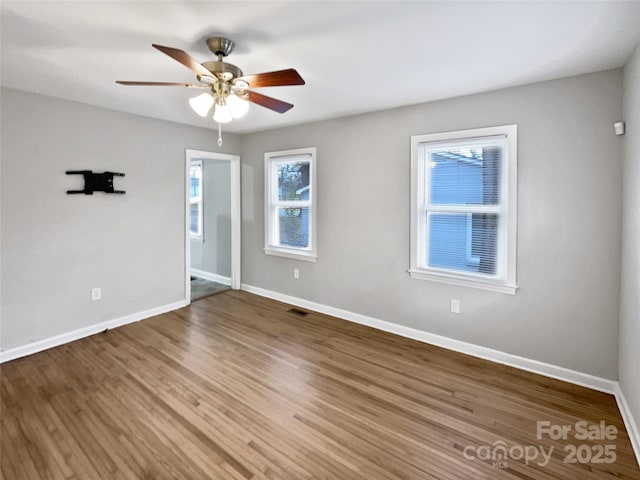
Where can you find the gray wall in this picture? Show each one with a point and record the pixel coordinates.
(56, 247)
(630, 292)
(566, 312)
(213, 254)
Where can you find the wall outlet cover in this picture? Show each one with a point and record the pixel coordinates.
(455, 305)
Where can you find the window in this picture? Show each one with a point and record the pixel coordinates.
(463, 215)
(195, 200)
(290, 204)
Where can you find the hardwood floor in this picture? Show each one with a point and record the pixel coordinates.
(235, 387)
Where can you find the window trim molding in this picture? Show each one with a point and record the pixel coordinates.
(509, 186)
(310, 254)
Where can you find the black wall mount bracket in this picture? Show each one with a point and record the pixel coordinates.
(96, 182)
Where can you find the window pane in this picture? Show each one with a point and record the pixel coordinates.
(463, 176)
(195, 187)
(194, 223)
(463, 242)
(294, 227)
(195, 176)
(293, 180)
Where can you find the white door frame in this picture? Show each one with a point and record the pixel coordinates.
(234, 178)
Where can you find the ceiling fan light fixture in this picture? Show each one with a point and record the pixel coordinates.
(201, 104)
(222, 114)
(237, 105)
(228, 88)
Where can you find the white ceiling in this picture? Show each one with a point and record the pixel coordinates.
(355, 56)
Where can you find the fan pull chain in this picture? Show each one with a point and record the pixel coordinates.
(219, 134)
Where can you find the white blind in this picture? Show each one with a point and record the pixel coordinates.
(461, 217)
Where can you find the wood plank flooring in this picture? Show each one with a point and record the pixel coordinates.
(235, 387)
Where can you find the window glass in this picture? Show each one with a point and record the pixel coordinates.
(293, 180)
(294, 227)
(459, 244)
(465, 176)
(195, 200)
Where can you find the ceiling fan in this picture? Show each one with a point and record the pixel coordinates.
(228, 89)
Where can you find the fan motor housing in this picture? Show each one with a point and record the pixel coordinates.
(223, 70)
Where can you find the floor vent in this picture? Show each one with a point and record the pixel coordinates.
(297, 311)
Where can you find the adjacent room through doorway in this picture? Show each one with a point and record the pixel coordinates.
(210, 231)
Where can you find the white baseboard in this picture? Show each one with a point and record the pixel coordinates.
(40, 345)
(535, 366)
(629, 422)
(212, 277)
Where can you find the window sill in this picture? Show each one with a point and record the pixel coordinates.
(464, 282)
(287, 253)
(199, 239)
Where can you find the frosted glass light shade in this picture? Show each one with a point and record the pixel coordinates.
(222, 114)
(201, 104)
(238, 106)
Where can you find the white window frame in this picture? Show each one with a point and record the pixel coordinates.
(197, 236)
(272, 203)
(505, 279)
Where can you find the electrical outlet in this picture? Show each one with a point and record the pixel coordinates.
(96, 294)
(296, 274)
(455, 305)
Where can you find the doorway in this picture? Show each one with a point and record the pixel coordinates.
(212, 222)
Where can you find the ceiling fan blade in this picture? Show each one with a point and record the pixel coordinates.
(162, 84)
(279, 78)
(268, 102)
(184, 58)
